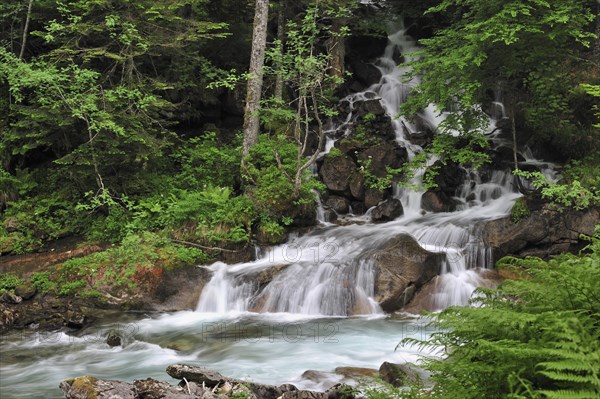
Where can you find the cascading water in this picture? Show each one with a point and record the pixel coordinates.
(342, 282)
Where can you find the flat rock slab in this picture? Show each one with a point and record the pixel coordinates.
(196, 374)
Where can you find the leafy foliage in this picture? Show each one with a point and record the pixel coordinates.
(571, 192)
(522, 50)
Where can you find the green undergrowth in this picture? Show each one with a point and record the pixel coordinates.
(136, 265)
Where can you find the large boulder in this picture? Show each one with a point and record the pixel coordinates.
(372, 106)
(388, 210)
(402, 267)
(26, 290)
(545, 232)
(340, 205)
(336, 172)
(397, 375)
(450, 177)
(438, 201)
(382, 156)
(374, 196)
(364, 73)
(357, 186)
(356, 372)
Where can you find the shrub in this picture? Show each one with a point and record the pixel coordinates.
(138, 263)
(519, 210)
(9, 281)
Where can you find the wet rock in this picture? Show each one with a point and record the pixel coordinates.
(154, 389)
(7, 316)
(358, 208)
(366, 47)
(341, 391)
(374, 197)
(263, 391)
(10, 298)
(388, 210)
(89, 387)
(437, 201)
(503, 157)
(338, 204)
(315, 375)
(397, 375)
(179, 289)
(264, 277)
(421, 138)
(356, 372)
(373, 106)
(351, 146)
(242, 254)
(450, 177)
(304, 215)
(402, 267)
(113, 340)
(303, 395)
(329, 215)
(75, 320)
(336, 172)
(545, 232)
(357, 185)
(26, 290)
(494, 109)
(365, 73)
(196, 374)
(423, 133)
(382, 156)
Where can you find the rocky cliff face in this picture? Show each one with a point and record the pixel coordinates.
(363, 153)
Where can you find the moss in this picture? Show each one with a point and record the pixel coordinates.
(83, 387)
(520, 210)
(334, 153)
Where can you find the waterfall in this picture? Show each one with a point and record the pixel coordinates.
(327, 272)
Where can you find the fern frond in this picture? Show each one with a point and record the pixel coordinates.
(571, 394)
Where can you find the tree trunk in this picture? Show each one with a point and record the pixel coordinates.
(255, 80)
(337, 47)
(25, 30)
(596, 49)
(280, 36)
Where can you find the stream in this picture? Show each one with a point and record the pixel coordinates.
(316, 313)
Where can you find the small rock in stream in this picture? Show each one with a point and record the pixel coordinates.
(113, 340)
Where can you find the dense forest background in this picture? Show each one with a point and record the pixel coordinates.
(122, 117)
(123, 121)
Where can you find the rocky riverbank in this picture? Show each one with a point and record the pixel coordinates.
(201, 383)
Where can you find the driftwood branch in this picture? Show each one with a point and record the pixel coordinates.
(193, 244)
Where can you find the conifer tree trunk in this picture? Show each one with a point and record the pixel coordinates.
(255, 80)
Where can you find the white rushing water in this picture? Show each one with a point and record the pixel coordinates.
(306, 304)
(328, 272)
